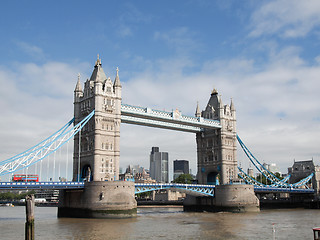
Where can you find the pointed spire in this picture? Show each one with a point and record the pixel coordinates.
(198, 113)
(98, 74)
(98, 62)
(232, 106)
(214, 92)
(220, 101)
(78, 86)
(117, 80)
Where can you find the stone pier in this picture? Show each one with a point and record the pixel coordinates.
(228, 198)
(109, 199)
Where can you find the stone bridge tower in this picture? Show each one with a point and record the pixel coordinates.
(98, 158)
(216, 149)
(100, 138)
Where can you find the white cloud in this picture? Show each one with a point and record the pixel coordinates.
(127, 23)
(180, 39)
(35, 100)
(277, 105)
(31, 50)
(124, 31)
(289, 19)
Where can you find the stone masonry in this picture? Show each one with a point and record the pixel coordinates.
(216, 149)
(100, 138)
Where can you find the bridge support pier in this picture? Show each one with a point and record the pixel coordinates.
(109, 199)
(228, 198)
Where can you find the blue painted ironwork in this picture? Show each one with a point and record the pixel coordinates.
(276, 182)
(269, 175)
(283, 190)
(197, 189)
(41, 185)
(43, 149)
(249, 180)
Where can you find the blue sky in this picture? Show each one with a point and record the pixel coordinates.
(263, 54)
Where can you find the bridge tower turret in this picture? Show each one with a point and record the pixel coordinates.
(96, 158)
(100, 138)
(78, 94)
(216, 149)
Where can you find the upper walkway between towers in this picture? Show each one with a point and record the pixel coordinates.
(162, 119)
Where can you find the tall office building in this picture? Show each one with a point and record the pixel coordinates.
(180, 167)
(159, 165)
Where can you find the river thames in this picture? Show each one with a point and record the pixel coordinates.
(164, 223)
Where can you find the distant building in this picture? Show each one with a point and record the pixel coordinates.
(302, 169)
(180, 167)
(250, 172)
(272, 167)
(159, 167)
(136, 173)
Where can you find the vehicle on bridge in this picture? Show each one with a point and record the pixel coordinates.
(25, 178)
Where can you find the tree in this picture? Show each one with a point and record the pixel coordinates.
(184, 178)
(262, 179)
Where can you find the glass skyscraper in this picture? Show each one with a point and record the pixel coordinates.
(159, 165)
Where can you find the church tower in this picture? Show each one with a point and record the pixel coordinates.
(97, 157)
(216, 149)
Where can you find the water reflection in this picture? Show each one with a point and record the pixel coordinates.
(164, 223)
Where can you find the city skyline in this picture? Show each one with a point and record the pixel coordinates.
(264, 55)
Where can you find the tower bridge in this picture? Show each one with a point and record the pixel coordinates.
(99, 154)
(98, 113)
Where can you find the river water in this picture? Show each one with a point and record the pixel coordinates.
(164, 223)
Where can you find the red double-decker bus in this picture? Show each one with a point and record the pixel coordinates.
(25, 178)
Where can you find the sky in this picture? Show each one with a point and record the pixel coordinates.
(265, 55)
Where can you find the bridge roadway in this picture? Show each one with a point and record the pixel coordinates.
(196, 189)
(169, 120)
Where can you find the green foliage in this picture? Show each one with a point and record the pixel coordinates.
(184, 178)
(14, 196)
(143, 194)
(262, 179)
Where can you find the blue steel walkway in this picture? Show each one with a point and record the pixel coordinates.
(196, 189)
(41, 185)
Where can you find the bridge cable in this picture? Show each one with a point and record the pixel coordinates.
(270, 176)
(276, 182)
(43, 149)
